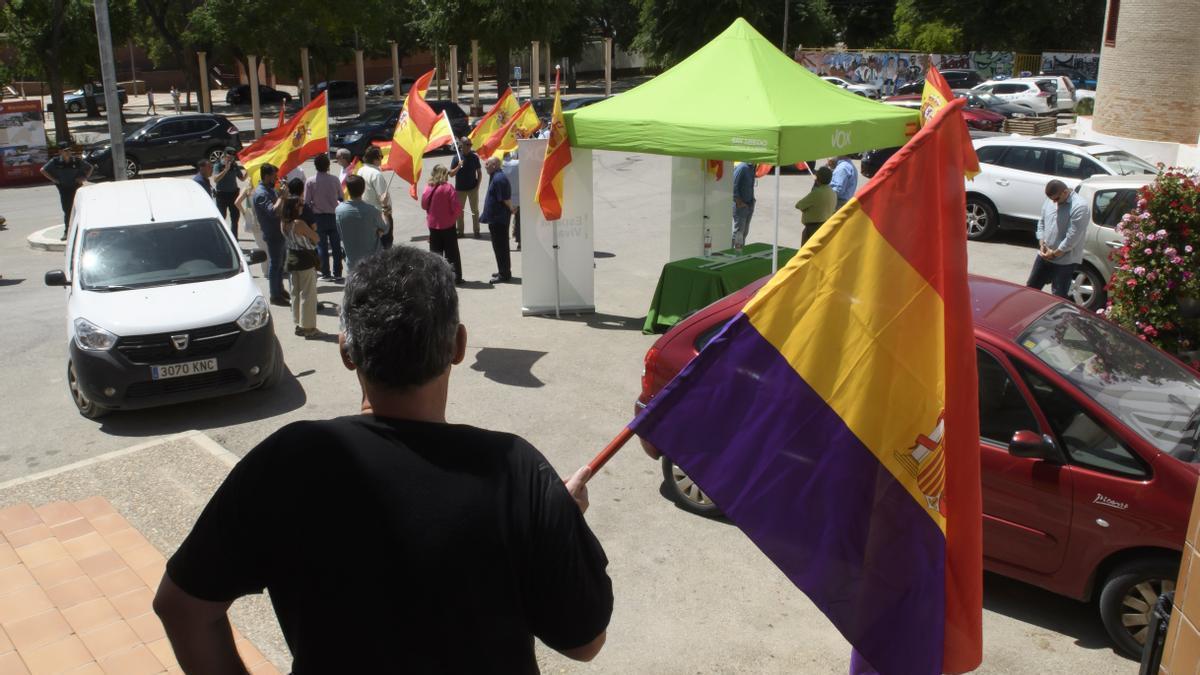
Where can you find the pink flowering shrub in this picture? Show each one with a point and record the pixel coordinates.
(1157, 268)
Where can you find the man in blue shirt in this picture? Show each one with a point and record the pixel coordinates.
(1060, 232)
(265, 202)
(360, 225)
(743, 202)
(497, 210)
(845, 179)
(203, 171)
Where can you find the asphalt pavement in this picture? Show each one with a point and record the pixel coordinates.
(693, 595)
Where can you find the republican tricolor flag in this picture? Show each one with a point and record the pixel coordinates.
(549, 195)
(835, 421)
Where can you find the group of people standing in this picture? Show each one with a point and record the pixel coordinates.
(834, 184)
(445, 207)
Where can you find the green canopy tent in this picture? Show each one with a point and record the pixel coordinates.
(740, 98)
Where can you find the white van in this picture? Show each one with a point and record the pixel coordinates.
(161, 307)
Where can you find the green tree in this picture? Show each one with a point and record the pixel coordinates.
(914, 31)
(864, 24)
(1019, 25)
(57, 38)
(673, 29)
(499, 27)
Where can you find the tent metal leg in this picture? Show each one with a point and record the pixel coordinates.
(775, 243)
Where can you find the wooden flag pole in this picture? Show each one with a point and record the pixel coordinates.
(609, 450)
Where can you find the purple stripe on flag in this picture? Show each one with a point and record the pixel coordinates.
(784, 467)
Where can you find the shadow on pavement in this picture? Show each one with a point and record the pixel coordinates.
(477, 285)
(1037, 607)
(1026, 238)
(601, 321)
(603, 254)
(211, 413)
(513, 367)
(10, 282)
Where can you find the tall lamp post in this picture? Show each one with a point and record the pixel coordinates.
(112, 102)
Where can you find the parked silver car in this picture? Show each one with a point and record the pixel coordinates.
(1109, 198)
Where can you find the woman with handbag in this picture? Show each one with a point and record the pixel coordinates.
(301, 264)
(442, 207)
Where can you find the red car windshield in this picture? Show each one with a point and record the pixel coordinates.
(1153, 395)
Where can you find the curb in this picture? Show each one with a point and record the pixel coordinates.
(47, 239)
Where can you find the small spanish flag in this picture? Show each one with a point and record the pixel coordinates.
(549, 194)
(936, 95)
(290, 145)
(505, 108)
(504, 139)
(418, 131)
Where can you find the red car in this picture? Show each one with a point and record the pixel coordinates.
(976, 118)
(1088, 442)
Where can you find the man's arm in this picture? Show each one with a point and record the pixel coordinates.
(1075, 231)
(199, 631)
(87, 170)
(47, 174)
(225, 166)
(807, 200)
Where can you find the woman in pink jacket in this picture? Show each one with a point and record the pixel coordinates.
(442, 208)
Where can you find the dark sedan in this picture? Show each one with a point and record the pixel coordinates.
(379, 123)
(76, 101)
(994, 104)
(336, 89)
(174, 140)
(240, 95)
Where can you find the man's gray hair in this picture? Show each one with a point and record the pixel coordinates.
(400, 317)
(492, 161)
(343, 153)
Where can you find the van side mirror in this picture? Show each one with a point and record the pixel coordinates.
(1033, 445)
(56, 278)
(256, 256)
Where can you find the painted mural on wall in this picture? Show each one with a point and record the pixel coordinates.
(889, 70)
(886, 70)
(1088, 65)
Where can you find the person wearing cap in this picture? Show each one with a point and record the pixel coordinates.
(228, 173)
(818, 205)
(68, 173)
(467, 176)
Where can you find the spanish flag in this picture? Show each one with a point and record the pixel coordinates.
(934, 97)
(418, 131)
(504, 110)
(351, 170)
(715, 167)
(287, 147)
(781, 418)
(549, 195)
(504, 139)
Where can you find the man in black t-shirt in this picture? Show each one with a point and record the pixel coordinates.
(467, 177)
(393, 541)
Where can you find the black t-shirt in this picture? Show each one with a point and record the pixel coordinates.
(401, 546)
(466, 178)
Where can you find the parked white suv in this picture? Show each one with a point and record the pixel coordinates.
(1011, 186)
(1039, 93)
(868, 90)
(1109, 198)
(161, 307)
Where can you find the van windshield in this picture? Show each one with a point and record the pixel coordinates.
(156, 254)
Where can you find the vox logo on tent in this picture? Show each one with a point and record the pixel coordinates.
(841, 138)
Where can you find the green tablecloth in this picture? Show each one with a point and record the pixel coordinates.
(688, 285)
